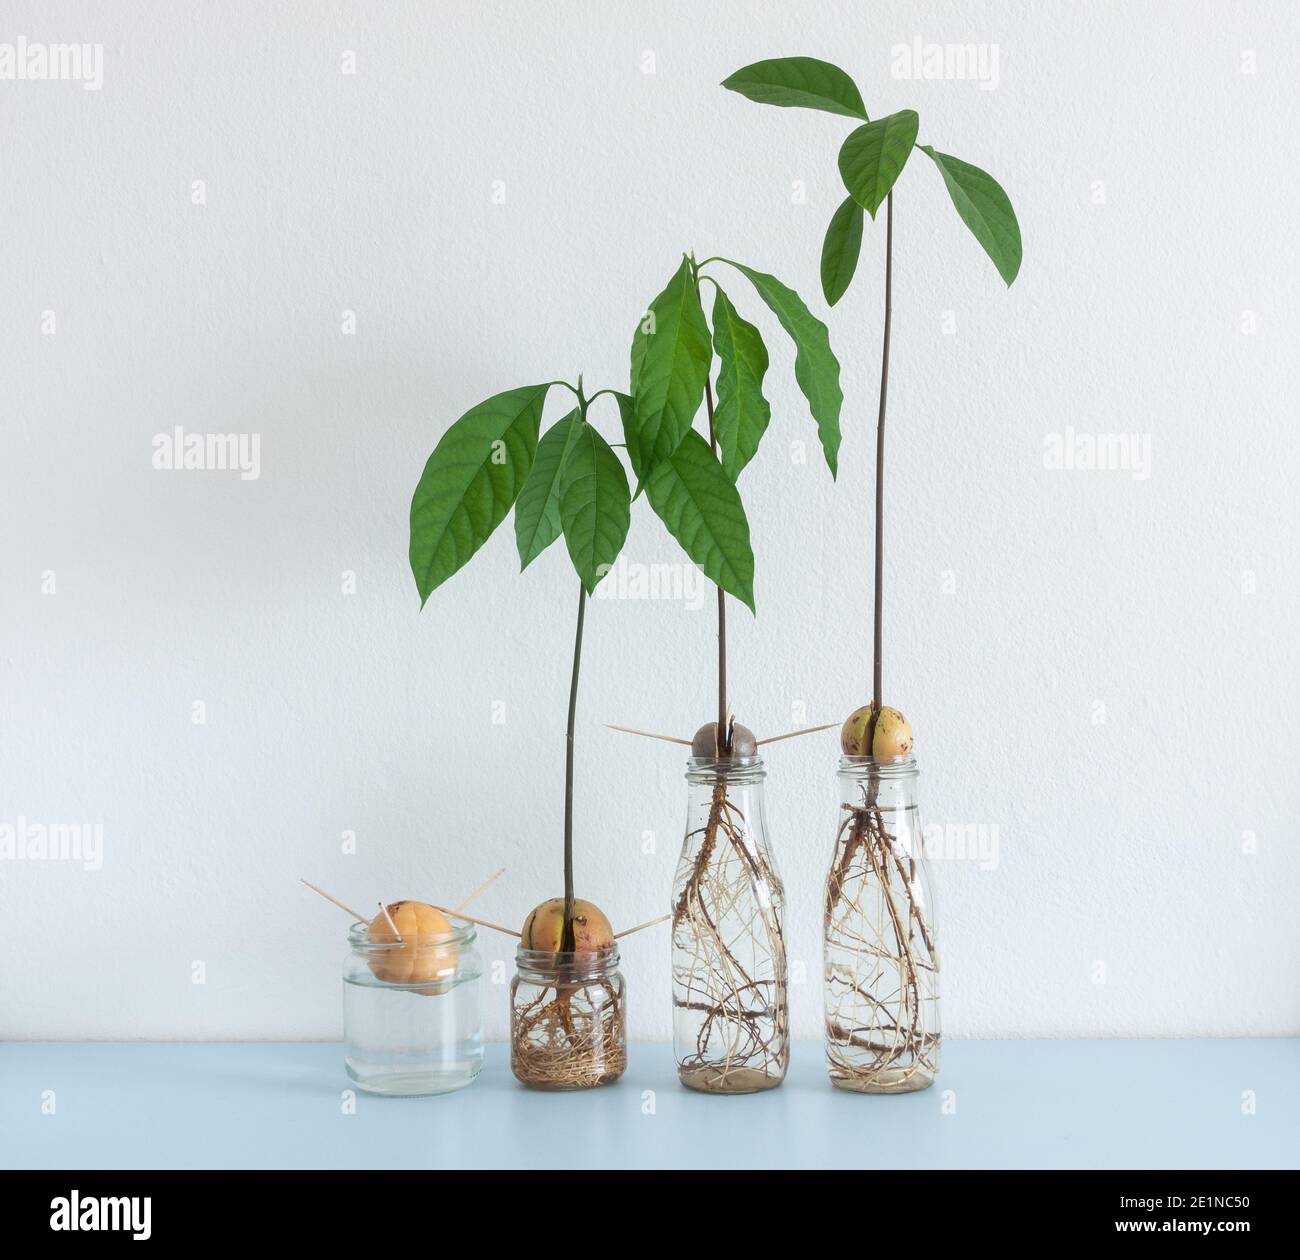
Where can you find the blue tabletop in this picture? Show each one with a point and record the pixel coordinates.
(997, 1104)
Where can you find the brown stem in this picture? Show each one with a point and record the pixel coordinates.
(724, 735)
(566, 942)
(877, 698)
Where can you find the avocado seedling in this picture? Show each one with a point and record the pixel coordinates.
(729, 951)
(881, 965)
(567, 481)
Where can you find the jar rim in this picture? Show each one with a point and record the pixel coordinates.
(570, 962)
(884, 768)
(360, 938)
(704, 769)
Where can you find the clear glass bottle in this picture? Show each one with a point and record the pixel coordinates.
(568, 1027)
(880, 955)
(731, 1026)
(412, 1021)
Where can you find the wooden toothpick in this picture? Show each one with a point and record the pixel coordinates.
(663, 918)
(807, 730)
(483, 887)
(388, 918)
(469, 918)
(360, 918)
(631, 730)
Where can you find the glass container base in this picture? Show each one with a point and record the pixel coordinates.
(715, 1079)
(394, 1082)
(888, 1081)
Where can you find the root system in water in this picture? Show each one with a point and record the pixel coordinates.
(729, 962)
(882, 1024)
(569, 1035)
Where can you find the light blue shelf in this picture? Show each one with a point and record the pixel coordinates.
(1013, 1104)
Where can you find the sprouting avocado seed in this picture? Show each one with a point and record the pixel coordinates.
(705, 743)
(893, 736)
(544, 928)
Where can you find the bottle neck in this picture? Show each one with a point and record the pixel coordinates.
(866, 781)
(730, 771)
(868, 769)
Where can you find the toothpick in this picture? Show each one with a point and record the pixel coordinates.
(663, 918)
(360, 918)
(631, 730)
(469, 918)
(807, 730)
(388, 918)
(483, 887)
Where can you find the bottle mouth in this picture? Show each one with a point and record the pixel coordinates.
(735, 769)
(361, 938)
(882, 768)
(568, 964)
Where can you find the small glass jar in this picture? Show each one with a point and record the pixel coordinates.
(731, 1023)
(880, 953)
(568, 1027)
(412, 1022)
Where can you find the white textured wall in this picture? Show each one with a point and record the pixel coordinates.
(1172, 602)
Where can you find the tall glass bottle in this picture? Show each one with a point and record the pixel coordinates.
(731, 1026)
(880, 954)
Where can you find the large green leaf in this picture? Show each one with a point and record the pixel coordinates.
(815, 366)
(595, 505)
(742, 413)
(670, 363)
(874, 155)
(537, 512)
(984, 208)
(799, 81)
(840, 250)
(470, 481)
(701, 507)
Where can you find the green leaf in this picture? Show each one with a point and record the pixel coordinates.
(874, 155)
(537, 513)
(815, 366)
(595, 506)
(840, 250)
(799, 81)
(984, 208)
(701, 507)
(628, 418)
(470, 482)
(742, 413)
(670, 363)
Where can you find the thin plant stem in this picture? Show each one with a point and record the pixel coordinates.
(567, 942)
(877, 697)
(724, 740)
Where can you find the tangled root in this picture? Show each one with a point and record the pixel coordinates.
(569, 1036)
(881, 963)
(729, 962)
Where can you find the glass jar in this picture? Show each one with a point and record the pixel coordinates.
(568, 1027)
(880, 956)
(412, 1022)
(731, 1025)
